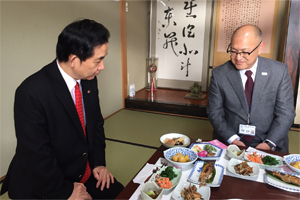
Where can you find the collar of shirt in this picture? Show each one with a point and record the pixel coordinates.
(243, 75)
(71, 82)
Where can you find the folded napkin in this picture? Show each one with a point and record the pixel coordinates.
(218, 144)
(144, 173)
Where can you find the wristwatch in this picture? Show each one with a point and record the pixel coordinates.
(272, 147)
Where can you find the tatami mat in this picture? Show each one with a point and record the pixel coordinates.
(124, 161)
(146, 128)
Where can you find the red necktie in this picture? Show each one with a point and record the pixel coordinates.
(248, 91)
(79, 108)
(249, 86)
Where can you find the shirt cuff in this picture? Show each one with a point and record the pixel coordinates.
(271, 142)
(232, 138)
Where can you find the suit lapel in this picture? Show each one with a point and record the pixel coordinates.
(63, 94)
(261, 77)
(235, 80)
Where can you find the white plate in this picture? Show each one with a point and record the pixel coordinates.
(271, 180)
(187, 140)
(201, 145)
(252, 176)
(292, 158)
(204, 191)
(174, 181)
(196, 171)
(262, 166)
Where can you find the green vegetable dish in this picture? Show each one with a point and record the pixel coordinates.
(268, 160)
(169, 173)
(209, 148)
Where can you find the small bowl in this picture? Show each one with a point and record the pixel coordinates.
(233, 148)
(187, 140)
(151, 186)
(173, 151)
(292, 158)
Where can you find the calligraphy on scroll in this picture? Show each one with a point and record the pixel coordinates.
(180, 38)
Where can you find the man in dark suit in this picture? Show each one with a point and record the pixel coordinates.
(254, 108)
(60, 150)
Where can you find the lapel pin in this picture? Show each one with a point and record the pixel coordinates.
(264, 73)
(89, 91)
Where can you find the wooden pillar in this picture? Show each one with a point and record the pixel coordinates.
(123, 50)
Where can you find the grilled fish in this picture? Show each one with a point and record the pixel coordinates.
(285, 177)
(206, 173)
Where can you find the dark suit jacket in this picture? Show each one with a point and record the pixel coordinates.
(272, 105)
(51, 145)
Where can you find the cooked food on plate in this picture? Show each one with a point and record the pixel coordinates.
(169, 173)
(152, 194)
(179, 157)
(254, 158)
(207, 174)
(163, 182)
(268, 160)
(207, 151)
(237, 153)
(295, 164)
(190, 193)
(174, 141)
(285, 177)
(243, 169)
(262, 159)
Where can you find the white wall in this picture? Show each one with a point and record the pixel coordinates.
(137, 22)
(29, 31)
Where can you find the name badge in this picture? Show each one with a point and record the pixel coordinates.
(247, 129)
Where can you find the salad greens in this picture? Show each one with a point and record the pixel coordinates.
(268, 160)
(169, 173)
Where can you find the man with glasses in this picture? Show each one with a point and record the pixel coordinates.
(250, 98)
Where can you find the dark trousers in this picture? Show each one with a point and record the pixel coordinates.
(111, 193)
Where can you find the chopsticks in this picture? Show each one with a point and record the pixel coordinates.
(155, 170)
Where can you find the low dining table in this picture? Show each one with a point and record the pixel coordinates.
(230, 188)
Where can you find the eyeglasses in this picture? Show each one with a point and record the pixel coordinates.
(243, 54)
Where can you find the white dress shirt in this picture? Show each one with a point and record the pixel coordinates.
(71, 83)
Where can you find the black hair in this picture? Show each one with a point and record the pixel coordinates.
(79, 38)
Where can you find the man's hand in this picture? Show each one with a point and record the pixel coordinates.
(79, 192)
(263, 146)
(238, 143)
(103, 176)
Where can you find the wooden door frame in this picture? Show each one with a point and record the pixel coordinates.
(123, 50)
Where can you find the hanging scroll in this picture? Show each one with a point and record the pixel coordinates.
(232, 14)
(180, 34)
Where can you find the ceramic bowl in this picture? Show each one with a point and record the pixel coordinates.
(292, 158)
(233, 148)
(151, 186)
(185, 151)
(187, 140)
